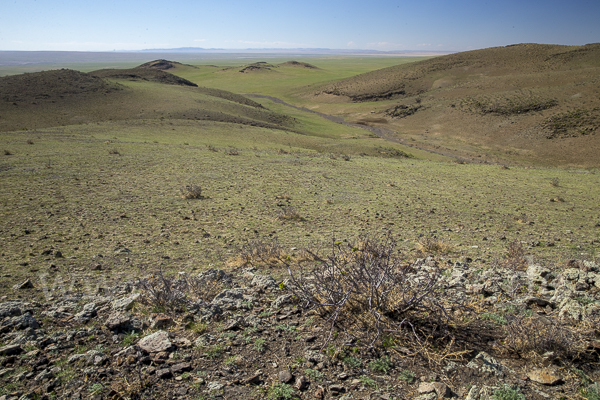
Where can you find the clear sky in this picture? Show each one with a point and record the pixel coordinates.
(441, 25)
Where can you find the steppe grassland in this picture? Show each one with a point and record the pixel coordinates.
(285, 82)
(97, 189)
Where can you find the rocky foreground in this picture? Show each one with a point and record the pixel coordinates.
(532, 334)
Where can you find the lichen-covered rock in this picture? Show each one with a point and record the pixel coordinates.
(264, 282)
(126, 303)
(156, 342)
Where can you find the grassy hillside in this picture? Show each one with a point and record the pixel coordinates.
(525, 103)
(65, 97)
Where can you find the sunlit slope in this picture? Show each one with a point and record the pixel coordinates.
(526, 103)
(66, 97)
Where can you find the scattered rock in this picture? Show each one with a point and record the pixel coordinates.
(125, 304)
(301, 383)
(24, 285)
(285, 376)
(156, 342)
(545, 377)
(10, 349)
(162, 321)
(164, 373)
(264, 282)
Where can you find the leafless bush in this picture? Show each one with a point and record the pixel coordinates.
(515, 257)
(289, 214)
(166, 293)
(365, 291)
(191, 191)
(535, 335)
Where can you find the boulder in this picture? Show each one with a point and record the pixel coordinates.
(156, 342)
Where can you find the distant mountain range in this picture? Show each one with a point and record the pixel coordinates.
(305, 51)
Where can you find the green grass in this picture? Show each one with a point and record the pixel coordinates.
(282, 81)
(69, 189)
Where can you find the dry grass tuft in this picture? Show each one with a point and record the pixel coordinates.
(258, 253)
(515, 257)
(533, 336)
(191, 191)
(290, 214)
(433, 245)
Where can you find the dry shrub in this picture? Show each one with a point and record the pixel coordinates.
(531, 336)
(257, 253)
(366, 291)
(191, 192)
(432, 245)
(289, 214)
(515, 257)
(170, 293)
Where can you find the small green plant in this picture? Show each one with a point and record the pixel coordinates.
(8, 388)
(352, 362)
(314, 374)
(498, 319)
(96, 389)
(286, 327)
(197, 327)
(366, 381)
(231, 361)
(228, 335)
(259, 345)
(382, 364)
(508, 393)
(130, 338)
(388, 341)
(214, 352)
(281, 391)
(592, 392)
(408, 376)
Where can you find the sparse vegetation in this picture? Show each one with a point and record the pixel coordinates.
(191, 191)
(508, 393)
(289, 214)
(573, 123)
(281, 391)
(511, 105)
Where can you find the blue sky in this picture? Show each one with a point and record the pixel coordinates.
(440, 25)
